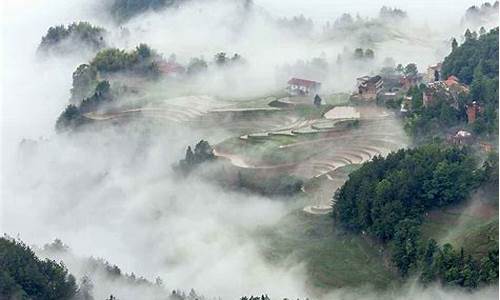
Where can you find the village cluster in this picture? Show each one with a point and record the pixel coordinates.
(386, 87)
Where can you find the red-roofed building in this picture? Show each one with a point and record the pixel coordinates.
(472, 111)
(452, 80)
(302, 87)
(447, 90)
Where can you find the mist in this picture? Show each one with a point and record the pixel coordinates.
(110, 191)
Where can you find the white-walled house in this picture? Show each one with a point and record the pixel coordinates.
(302, 87)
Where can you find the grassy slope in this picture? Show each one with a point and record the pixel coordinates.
(472, 225)
(332, 259)
(336, 99)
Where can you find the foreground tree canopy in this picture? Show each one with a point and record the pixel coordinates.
(25, 276)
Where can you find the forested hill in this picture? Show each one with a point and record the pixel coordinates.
(476, 62)
(387, 198)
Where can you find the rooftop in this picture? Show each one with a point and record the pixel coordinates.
(369, 80)
(303, 82)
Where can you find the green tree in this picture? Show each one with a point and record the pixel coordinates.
(69, 118)
(405, 245)
(369, 53)
(221, 59)
(429, 271)
(196, 66)
(454, 44)
(84, 81)
(358, 53)
(411, 70)
(400, 68)
(468, 35)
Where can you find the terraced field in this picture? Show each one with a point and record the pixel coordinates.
(300, 139)
(313, 148)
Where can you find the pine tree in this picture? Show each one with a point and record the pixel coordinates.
(454, 44)
(189, 156)
(468, 35)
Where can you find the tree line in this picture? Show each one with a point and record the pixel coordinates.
(63, 38)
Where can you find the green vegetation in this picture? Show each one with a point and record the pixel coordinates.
(387, 198)
(70, 118)
(407, 183)
(477, 16)
(61, 38)
(203, 152)
(336, 99)
(89, 91)
(266, 149)
(359, 54)
(84, 82)
(142, 61)
(472, 225)
(101, 95)
(197, 66)
(277, 184)
(464, 228)
(475, 62)
(25, 276)
(221, 59)
(425, 122)
(122, 10)
(475, 52)
(333, 257)
(308, 111)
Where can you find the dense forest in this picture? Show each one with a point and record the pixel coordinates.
(25, 276)
(387, 197)
(73, 37)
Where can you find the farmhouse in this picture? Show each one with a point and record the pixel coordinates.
(447, 90)
(462, 137)
(302, 87)
(369, 87)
